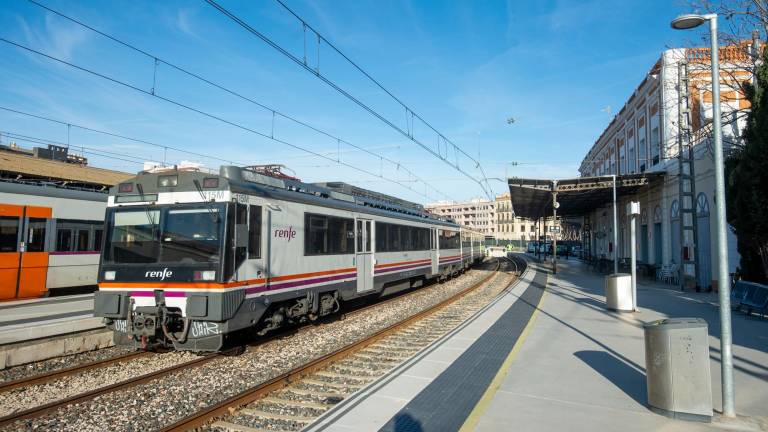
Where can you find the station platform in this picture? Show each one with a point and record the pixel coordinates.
(37, 329)
(548, 356)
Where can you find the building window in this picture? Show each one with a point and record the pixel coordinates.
(655, 137)
(642, 148)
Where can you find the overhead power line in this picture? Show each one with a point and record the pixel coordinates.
(204, 113)
(275, 113)
(114, 135)
(409, 113)
(84, 149)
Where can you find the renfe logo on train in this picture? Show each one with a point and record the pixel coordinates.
(288, 233)
(159, 274)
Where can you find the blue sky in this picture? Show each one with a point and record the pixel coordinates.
(464, 66)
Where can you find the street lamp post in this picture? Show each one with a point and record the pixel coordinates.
(685, 22)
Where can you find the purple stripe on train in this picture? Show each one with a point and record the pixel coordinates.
(410, 266)
(152, 293)
(292, 284)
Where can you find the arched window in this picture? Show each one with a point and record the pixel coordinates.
(675, 210)
(702, 205)
(657, 214)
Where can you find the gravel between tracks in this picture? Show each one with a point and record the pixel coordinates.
(168, 399)
(22, 398)
(58, 363)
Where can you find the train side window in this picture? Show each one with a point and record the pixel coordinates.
(63, 240)
(328, 235)
(254, 232)
(9, 233)
(98, 234)
(381, 236)
(36, 239)
(82, 240)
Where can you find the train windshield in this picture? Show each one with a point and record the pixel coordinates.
(169, 235)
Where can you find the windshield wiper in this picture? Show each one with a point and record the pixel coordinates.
(146, 209)
(208, 205)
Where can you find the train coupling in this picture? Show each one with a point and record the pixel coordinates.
(157, 325)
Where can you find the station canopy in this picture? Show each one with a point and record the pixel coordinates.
(532, 198)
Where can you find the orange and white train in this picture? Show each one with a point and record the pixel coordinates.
(190, 258)
(50, 239)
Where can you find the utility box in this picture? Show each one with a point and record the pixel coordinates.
(677, 368)
(618, 292)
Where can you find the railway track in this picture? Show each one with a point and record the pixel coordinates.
(60, 373)
(86, 396)
(293, 400)
(53, 406)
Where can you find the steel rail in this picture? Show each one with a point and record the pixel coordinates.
(259, 391)
(122, 385)
(59, 373)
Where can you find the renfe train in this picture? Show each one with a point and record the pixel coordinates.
(49, 239)
(189, 257)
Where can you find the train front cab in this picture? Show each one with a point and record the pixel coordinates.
(23, 260)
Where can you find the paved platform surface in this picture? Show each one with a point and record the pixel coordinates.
(576, 367)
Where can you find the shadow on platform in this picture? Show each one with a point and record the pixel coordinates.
(625, 377)
(405, 422)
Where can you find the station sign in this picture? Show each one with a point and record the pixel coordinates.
(554, 229)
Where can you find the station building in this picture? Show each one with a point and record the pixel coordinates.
(665, 128)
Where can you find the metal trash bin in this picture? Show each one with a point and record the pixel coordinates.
(677, 368)
(618, 292)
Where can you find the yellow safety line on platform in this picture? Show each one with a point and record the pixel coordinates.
(482, 405)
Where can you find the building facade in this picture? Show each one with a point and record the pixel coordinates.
(646, 136)
(493, 218)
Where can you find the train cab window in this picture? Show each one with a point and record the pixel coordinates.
(9, 233)
(254, 232)
(36, 238)
(328, 235)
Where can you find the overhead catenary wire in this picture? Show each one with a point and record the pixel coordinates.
(203, 113)
(115, 135)
(84, 149)
(274, 112)
(483, 183)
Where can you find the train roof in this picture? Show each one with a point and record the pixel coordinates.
(335, 194)
(243, 180)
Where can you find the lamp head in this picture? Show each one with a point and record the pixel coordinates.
(689, 21)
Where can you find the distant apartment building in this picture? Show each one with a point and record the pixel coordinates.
(646, 136)
(478, 214)
(493, 218)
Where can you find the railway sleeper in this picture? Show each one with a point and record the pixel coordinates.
(317, 394)
(338, 376)
(234, 427)
(276, 416)
(293, 402)
(333, 385)
(358, 370)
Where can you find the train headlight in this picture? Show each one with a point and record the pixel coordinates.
(109, 275)
(207, 275)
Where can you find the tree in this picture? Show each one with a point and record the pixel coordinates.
(747, 182)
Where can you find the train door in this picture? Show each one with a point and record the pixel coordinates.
(433, 250)
(250, 243)
(364, 256)
(23, 256)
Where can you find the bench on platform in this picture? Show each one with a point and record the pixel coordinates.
(750, 296)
